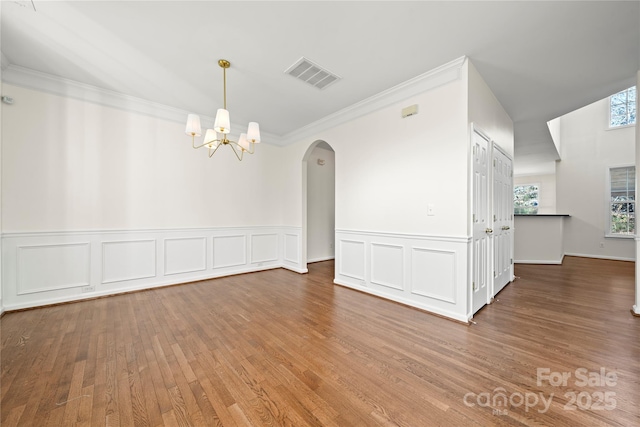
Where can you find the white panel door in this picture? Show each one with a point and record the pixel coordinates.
(481, 223)
(502, 219)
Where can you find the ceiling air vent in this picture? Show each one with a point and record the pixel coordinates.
(311, 73)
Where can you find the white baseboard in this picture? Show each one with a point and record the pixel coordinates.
(426, 272)
(1, 307)
(110, 292)
(407, 302)
(309, 261)
(295, 269)
(43, 268)
(538, 261)
(613, 258)
(636, 310)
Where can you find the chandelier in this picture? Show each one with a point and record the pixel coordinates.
(217, 137)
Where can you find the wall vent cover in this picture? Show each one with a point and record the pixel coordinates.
(311, 73)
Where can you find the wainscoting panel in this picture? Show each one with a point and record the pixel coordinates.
(352, 259)
(292, 251)
(128, 260)
(291, 248)
(428, 272)
(44, 268)
(432, 268)
(185, 255)
(264, 248)
(229, 251)
(387, 267)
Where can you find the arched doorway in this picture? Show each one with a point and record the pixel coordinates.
(318, 203)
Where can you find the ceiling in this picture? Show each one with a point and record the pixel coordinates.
(541, 59)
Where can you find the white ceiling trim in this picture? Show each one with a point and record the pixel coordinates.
(31, 79)
(4, 62)
(430, 80)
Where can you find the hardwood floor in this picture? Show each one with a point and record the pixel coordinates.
(278, 348)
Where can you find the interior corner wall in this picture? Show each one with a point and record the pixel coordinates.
(320, 205)
(486, 112)
(546, 190)
(98, 200)
(389, 170)
(589, 148)
(1, 66)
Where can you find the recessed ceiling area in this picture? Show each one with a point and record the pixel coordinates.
(541, 59)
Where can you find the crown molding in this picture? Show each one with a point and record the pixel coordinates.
(4, 62)
(439, 76)
(32, 79)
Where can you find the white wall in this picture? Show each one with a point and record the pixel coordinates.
(320, 205)
(539, 239)
(546, 190)
(1, 69)
(388, 169)
(75, 165)
(486, 112)
(99, 200)
(588, 149)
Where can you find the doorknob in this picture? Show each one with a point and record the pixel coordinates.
(506, 227)
(488, 230)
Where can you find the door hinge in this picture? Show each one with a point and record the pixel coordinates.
(474, 217)
(511, 261)
(494, 274)
(494, 163)
(494, 218)
(473, 285)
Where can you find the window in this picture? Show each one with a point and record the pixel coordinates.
(525, 199)
(622, 203)
(622, 109)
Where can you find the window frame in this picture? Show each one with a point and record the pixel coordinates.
(609, 126)
(607, 194)
(533, 184)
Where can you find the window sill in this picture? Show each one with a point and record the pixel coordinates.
(632, 125)
(619, 236)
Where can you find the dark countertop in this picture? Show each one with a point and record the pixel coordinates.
(567, 215)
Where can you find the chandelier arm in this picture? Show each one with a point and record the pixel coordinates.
(193, 142)
(231, 144)
(193, 126)
(211, 153)
(251, 151)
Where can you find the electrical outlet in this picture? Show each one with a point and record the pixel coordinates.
(88, 289)
(430, 209)
(601, 245)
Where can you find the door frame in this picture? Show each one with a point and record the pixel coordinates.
(303, 234)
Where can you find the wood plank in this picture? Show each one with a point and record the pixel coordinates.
(280, 348)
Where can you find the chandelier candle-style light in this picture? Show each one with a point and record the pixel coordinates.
(222, 126)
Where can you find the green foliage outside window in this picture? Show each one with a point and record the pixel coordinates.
(525, 199)
(623, 203)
